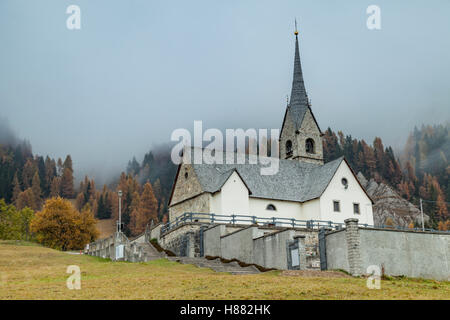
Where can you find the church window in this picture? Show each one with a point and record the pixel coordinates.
(336, 206)
(344, 182)
(271, 207)
(356, 208)
(289, 148)
(186, 175)
(309, 145)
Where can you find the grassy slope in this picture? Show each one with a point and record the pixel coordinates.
(29, 271)
(106, 227)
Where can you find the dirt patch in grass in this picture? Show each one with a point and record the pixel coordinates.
(314, 274)
(242, 264)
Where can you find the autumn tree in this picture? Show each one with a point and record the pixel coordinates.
(36, 188)
(149, 203)
(59, 225)
(79, 201)
(55, 188)
(138, 219)
(67, 190)
(14, 224)
(16, 188)
(27, 173)
(27, 199)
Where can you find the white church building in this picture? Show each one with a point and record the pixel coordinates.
(304, 188)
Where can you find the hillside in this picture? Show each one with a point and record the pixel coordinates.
(390, 206)
(33, 272)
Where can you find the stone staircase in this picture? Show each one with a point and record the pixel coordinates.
(216, 265)
(143, 252)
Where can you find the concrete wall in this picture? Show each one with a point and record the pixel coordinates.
(265, 246)
(212, 240)
(353, 194)
(239, 244)
(414, 254)
(336, 250)
(155, 232)
(407, 253)
(270, 250)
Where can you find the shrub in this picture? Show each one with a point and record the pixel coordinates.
(60, 226)
(15, 224)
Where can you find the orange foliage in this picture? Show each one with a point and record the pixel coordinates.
(59, 225)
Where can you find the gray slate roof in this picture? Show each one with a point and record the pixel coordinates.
(298, 104)
(295, 181)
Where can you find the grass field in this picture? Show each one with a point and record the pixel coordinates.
(28, 271)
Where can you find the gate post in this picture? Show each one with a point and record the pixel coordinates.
(322, 249)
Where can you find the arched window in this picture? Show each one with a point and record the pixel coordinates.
(309, 145)
(271, 207)
(288, 147)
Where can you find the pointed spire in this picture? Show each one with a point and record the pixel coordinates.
(299, 98)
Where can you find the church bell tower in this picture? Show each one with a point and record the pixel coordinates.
(300, 138)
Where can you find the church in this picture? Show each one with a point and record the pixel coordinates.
(304, 188)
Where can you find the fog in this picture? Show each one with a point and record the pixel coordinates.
(137, 70)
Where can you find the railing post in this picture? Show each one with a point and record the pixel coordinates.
(190, 215)
(293, 223)
(212, 218)
(273, 221)
(254, 219)
(232, 218)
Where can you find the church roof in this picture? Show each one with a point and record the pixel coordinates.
(295, 181)
(298, 104)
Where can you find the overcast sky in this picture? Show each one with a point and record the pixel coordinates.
(137, 70)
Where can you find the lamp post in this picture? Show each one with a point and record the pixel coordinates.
(421, 212)
(120, 210)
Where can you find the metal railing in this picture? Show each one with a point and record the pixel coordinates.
(273, 221)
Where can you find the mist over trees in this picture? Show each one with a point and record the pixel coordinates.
(421, 171)
(26, 180)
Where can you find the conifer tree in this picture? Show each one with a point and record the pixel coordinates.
(67, 190)
(16, 188)
(55, 188)
(36, 188)
(149, 203)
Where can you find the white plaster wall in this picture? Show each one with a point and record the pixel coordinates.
(216, 203)
(233, 197)
(285, 209)
(311, 210)
(353, 194)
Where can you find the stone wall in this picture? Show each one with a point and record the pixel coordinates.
(198, 204)
(307, 130)
(186, 186)
(397, 253)
(184, 240)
